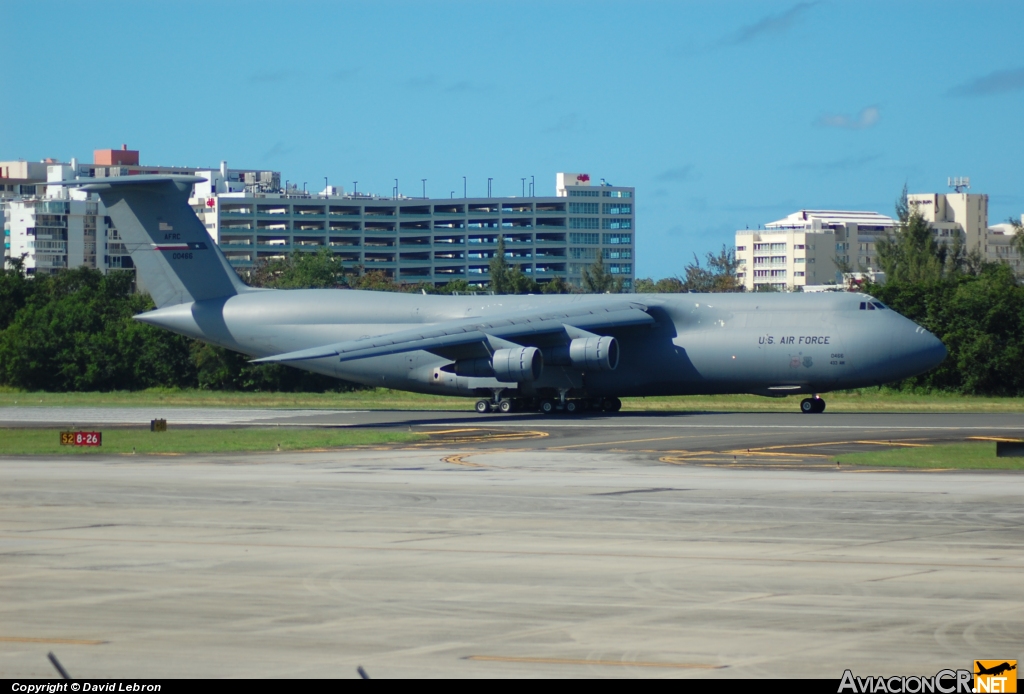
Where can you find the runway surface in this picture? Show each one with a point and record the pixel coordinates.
(736, 437)
(652, 546)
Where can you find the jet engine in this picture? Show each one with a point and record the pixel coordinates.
(514, 365)
(594, 353)
(587, 353)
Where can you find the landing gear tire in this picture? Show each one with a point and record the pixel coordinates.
(546, 406)
(611, 405)
(812, 405)
(483, 406)
(506, 406)
(572, 407)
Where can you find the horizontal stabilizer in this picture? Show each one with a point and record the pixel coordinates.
(301, 355)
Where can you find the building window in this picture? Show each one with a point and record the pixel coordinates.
(740, 248)
(799, 274)
(760, 273)
(583, 253)
(617, 254)
(799, 261)
(613, 239)
(778, 247)
(617, 223)
(618, 194)
(621, 269)
(617, 208)
(582, 208)
(760, 260)
(577, 238)
(762, 246)
(778, 273)
(584, 223)
(798, 246)
(584, 194)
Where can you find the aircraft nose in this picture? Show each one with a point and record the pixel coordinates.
(918, 351)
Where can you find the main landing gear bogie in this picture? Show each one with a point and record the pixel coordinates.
(576, 406)
(549, 405)
(813, 405)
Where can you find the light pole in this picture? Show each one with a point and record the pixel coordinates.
(424, 188)
(396, 189)
(524, 186)
(533, 191)
(453, 195)
(304, 186)
(286, 182)
(489, 186)
(463, 186)
(355, 187)
(326, 193)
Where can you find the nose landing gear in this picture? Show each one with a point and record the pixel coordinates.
(813, 405)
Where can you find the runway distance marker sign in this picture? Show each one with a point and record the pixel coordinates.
(81, 438)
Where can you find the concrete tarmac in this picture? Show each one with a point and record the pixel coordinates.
(565, 550)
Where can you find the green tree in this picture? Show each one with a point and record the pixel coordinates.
(15, 290)
(376, 280)
(598, 280)
(499, 268)
(455, 287)
(666, 285)
(556, 285)
(507, 278)
(718, 276)
(76, 332)
(319, 270)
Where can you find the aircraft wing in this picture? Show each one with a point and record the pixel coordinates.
(481, 335)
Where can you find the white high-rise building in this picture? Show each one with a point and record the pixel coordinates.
(802, 248)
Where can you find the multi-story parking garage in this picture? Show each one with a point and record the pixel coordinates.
(434, 240)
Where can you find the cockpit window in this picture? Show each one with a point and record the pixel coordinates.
(872, 305)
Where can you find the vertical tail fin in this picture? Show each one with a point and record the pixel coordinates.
(175, 257)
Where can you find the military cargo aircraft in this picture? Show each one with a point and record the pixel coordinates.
(562, 353)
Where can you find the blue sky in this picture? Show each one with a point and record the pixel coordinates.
(722, 114)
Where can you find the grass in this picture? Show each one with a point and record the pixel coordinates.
(181, 441)
(866, 400)
(953, 456)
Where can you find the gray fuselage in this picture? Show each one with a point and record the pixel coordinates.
(768, 344)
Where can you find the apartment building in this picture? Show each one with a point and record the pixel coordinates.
(53, 227)
(801, 249)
